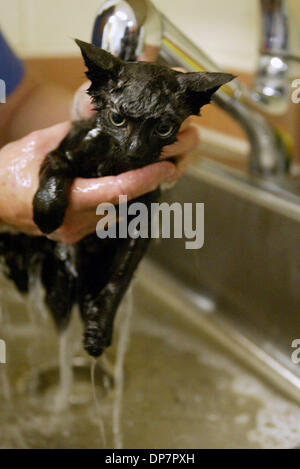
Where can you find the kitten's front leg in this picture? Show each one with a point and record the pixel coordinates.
(51, 199)
(99, 312)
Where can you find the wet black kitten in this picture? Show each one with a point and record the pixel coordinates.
(140, 107)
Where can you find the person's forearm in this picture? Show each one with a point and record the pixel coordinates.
(33, 105)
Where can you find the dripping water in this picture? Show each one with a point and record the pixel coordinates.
(36, 296)
(97, 404)
(123, 340)
(65, 371)
(36, 310)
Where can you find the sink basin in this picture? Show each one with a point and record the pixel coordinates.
(208, 360)
(249, 266)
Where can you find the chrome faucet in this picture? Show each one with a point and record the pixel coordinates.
(135, 29)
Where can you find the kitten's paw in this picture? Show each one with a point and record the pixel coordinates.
(48, 210)
(96, 340)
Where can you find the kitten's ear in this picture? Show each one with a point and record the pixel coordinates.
(100, 63)
(199, 87)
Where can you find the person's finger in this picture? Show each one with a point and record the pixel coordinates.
(183, 163)
(187, 123)
(40, 142)
(179, 69)
(88, 193)
(187, 141)
(47, 140)
(150, 53)
(82, 107)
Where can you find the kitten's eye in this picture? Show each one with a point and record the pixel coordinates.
(164, 130)
(117, 119)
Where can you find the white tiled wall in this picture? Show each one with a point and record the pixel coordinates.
(226, 29)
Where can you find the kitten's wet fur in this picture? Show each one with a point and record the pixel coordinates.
(153, 101)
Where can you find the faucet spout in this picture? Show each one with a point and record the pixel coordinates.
(279, 56)
(135, 29)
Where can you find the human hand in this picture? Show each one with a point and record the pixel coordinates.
(20, 163)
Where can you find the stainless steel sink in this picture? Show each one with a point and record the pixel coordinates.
(209, 358)
(249, 267)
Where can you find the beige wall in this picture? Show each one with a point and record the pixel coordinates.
(226, 29)
(47, 27)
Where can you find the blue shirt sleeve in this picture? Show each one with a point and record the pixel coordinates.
(11, 67)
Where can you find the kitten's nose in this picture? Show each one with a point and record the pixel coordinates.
(133, 147)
